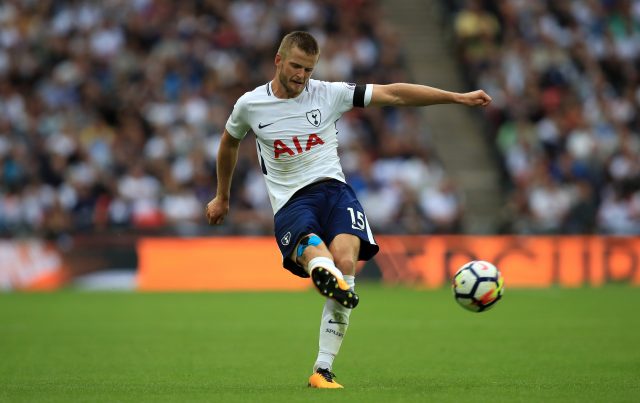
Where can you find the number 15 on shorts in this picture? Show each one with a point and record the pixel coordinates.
(357, 219)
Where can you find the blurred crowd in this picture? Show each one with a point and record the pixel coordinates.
(565, 82)
(111, 113)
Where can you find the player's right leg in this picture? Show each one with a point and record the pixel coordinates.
(312, 254)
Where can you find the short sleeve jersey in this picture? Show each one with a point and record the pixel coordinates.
(296, 138)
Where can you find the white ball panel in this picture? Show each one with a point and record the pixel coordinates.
(464, 281)
(483, 288)
(484, 269)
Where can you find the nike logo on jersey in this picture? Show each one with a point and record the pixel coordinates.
(261, 126)
(337, 323)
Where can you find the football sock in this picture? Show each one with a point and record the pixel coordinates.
(326, 263)
(333, 326)
(351, 280)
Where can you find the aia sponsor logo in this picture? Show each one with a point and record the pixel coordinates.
(296, 146)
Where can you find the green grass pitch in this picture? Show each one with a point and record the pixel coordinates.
(403, 345)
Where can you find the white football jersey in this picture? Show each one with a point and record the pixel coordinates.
(296, 138)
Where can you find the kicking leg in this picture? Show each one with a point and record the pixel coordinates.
(312, 254)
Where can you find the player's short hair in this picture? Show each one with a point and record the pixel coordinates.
(301, 40)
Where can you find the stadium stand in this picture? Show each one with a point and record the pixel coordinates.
(566, 89)
(111, 112)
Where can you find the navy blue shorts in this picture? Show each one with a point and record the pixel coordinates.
(325, 208)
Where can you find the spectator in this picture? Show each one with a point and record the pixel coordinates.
(565, 116)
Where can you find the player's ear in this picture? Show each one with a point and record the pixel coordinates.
(278, 59)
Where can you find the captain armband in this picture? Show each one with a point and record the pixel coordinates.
(358, 95)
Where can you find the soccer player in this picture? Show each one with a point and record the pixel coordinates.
(320, 226)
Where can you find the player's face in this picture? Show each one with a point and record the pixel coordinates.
(294, 71)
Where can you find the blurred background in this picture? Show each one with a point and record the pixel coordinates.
(111, 114)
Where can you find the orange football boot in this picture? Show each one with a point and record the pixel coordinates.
(333, 286)
(323, 379)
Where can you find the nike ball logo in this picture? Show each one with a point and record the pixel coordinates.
(261, 126)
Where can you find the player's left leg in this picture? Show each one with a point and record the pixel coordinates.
(345, 249)
(335, 318)
(350, 239)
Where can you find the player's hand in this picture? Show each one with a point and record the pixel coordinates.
(475, 98)
(217, 209)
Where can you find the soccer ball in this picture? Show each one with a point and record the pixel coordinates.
(478, 286)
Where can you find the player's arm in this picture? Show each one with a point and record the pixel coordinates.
(402, 94)
(218, 208)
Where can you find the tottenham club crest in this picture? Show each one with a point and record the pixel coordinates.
(286, 239)
(314, 117)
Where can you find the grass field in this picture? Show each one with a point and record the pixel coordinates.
(403, 345)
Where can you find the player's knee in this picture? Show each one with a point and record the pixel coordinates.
(310, 240)
(345, 264)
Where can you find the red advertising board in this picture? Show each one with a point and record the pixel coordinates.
(239, 263)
